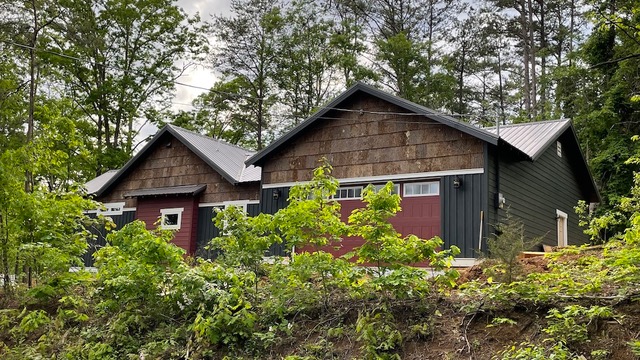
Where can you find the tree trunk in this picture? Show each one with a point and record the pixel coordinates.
(532, 53)
(525, 58)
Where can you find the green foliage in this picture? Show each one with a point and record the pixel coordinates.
(379, 336)
(570, 324)
(506, 245)
(244, 240)
(528, 351)
(312, 217)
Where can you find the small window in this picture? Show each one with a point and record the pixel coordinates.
(559, 148)
(354, 192)
(171, 219)
(431, 188)
(112, 209)
(396, 188)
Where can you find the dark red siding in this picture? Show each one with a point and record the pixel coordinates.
(148, 210)
(420, 216)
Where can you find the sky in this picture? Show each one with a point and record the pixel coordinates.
(197, 75)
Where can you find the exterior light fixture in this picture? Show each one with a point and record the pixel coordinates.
(276, 194)
(457, 182)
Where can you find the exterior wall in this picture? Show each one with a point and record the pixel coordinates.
(148, 210)
(359, 145)
(534, 190)
(177, 165)
(207, 229)
(461, 213)
(101, 234)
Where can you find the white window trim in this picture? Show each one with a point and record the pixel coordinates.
(404, 189)
(396, 187)
(114, 208)
(565, 240)
(171, 211)
(385, 178)
(361, 188)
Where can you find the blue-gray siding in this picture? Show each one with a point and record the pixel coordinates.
(461, 213)
(534, 190)
(270, 205)
(207, 229)
(101, 234)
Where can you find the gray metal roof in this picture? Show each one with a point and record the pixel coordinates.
(95, 184)
(226, 159)
(411, 107)
(532, 138)
(172, 190)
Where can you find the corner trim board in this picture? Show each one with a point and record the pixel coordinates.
(380, 178)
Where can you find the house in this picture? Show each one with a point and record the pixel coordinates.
(177, 180)
(455, 180)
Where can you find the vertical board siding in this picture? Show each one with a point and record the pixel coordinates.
(534, 190)
(269, 205)
(461, 213)
(100, 233)
(206, 231)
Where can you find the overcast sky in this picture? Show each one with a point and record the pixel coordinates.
(197, 75)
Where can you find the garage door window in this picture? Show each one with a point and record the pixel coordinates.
(431, 188)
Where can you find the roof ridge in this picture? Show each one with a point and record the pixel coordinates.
(527, 123)
(176, 127)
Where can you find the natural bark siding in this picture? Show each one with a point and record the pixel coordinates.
(177, 165)
(369, 144)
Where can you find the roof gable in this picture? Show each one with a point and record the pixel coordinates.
(411, 107)
(226, 159)
(534, 138)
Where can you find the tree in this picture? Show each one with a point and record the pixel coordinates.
(120, 59)
(246, 50)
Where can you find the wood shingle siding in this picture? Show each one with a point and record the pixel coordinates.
(369, 144)
(174, 166)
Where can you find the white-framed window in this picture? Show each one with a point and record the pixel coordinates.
(171, 219)
(562, 219)
(396, 188)
(114, 208)
(559, 148)
(429, 188)
(351, 192)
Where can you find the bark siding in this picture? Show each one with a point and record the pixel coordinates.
(371, 144)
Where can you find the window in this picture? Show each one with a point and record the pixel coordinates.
(396, 188)
(354, 192)
(559, 148)
(562, 218)
(431, 188)
(112, 209)
(171, 219)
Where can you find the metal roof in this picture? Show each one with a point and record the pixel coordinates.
(532, 138)
(229, 159)
(172, 190)
(411, 107)
(95, 184)
(226, 159)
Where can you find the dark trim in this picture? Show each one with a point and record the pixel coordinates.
(259, 158)
(191, 190)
